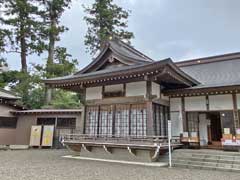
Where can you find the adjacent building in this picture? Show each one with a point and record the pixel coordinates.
(16, 122)
(8, 122)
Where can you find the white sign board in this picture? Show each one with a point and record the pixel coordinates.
(170, 129)
(169, 142)
(35, 135)
(47, 137)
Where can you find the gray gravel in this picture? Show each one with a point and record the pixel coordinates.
(49, 165)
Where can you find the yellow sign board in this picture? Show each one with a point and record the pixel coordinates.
(35, 135)
(47, 137)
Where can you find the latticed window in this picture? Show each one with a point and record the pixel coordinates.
(116, 120)
(105, 120)
(92, 120)
(122, 120)
(138, 120)
(192, 122)
(160, 116)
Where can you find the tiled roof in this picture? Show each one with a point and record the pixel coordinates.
(150, 66)
(214, 72)
(7, 94)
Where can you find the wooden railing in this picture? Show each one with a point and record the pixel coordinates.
(81, 138)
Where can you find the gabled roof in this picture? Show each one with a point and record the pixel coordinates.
(214, 71)
(125, 53)
(164, 71)
(4, 94)
(134, 66)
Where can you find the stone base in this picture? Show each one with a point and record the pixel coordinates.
(118, 154)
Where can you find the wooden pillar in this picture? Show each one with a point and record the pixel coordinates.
(207, 102)
(149, 103)
(235, 111)
(150, 123)
(184, 119)
(82, 127)
(149, 90)
(48, 94)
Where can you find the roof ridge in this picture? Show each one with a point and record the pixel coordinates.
(209, 59)
(130, 47)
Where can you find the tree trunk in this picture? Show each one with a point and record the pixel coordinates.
(23, 51)
(51, 48)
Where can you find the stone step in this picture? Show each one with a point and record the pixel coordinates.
(204, 163)
(219, 160)
(225, 161)
(233, 169)
(18, 147)
(212, 156)
(208, 152)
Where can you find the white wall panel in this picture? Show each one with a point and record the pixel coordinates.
(136, 88)
(114, 88)
(238, 101)
(156, 89)
(220, 102)
(175, 104)
(177, 126)
(94, 93)
(197, 103)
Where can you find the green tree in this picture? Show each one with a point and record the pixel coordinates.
(105, 19)
(26, 86)
(63, 65)
(64, 100)
(51, 13)
(23, 26)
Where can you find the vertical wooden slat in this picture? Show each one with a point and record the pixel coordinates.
(129, 120)
(183, 114)
(207, 103)
(235, 111)
(148, 90)
(150, 123)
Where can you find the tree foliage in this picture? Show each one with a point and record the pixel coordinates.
(105, 19)
(64, 100)
(51, 14)
(22, 25)
(62, 65)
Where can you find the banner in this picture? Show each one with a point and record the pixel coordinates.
(35, 135)
(47, 137)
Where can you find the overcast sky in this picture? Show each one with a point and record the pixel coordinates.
(177, 29)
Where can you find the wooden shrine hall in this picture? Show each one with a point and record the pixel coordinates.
(128, 99)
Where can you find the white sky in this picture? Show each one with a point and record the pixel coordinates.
(177, 29)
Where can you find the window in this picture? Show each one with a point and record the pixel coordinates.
(138, 120)
(91, 123)
(160, 117)
(116, 120)
(8, 122)
(46, 121)
(66, 123)
(105, 121)
(122, 120)
(192, 122)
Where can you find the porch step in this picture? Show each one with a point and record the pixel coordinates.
(207, 159)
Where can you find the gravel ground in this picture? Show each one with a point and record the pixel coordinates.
(49, 165)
